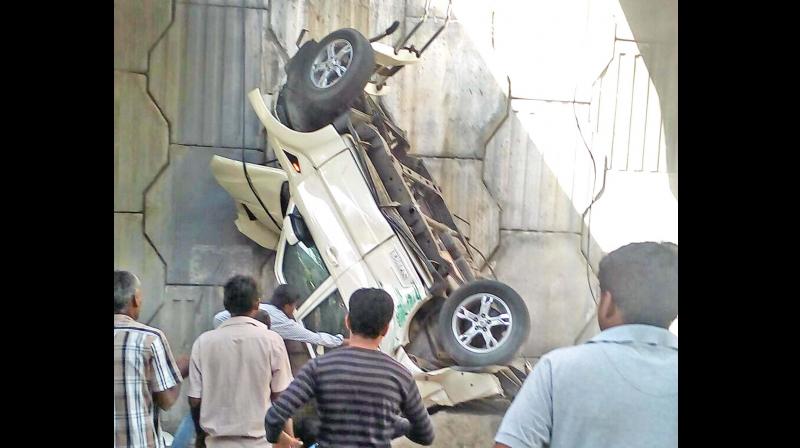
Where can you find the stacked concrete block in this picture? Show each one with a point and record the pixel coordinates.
(134, 253)
(190, 220)
(137, 26)
(182, 70)
(141, 139)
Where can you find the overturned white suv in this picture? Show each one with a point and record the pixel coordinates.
(349, 207)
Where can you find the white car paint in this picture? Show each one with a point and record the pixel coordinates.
(357, 245)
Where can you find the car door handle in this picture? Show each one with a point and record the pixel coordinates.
(332, 255)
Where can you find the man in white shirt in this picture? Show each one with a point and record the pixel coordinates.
(281, 315)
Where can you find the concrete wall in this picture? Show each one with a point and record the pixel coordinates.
(508, 107)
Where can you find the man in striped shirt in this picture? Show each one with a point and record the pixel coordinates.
(146, 376)
(365, 398)
(281, 312)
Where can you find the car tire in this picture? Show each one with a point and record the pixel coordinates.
(454, 324)
(318, 93)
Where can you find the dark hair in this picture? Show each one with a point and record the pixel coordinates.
(241, 295)
(643, 281)
(284, 295)
(125, 285)
(263, 317)
(370, 310)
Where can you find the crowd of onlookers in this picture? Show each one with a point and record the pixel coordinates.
(618, 389)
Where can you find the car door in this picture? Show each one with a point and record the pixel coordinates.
(321, 308)
(257, 217)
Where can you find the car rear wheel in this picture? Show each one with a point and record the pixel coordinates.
(326, 82)
(484, 322)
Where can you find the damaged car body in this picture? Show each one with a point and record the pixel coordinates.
(349, 206)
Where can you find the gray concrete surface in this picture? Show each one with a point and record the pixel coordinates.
(538, 169)
(141, 139)
(469, 199)
(526, 257)
(137, 26)
(190, 217)
(201, 70)
(132, 252)
(449, 102)
(464, 426)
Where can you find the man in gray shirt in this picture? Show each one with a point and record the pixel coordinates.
(620, 388)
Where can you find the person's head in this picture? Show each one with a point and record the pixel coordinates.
(370, 313)
(127, 294)
(285, 298)
(241, 296)
(639, 285)
(263, 317)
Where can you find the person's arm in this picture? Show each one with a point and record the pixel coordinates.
(294, 331)
(165, 385)
(194, 408)
(420, 429)
(221, 317)
(166, 398)
(288, 427)
(401, 427)
(299, 392)
(195, 392)
(281, 379)
(183, 365)
(529, 420)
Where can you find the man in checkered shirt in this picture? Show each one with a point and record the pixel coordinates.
(146, 376)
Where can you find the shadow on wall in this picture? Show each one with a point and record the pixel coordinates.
(654, 25)
(539, 171)
(531, 172)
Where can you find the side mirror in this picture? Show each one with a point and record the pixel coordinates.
(291, 237)
(296, 229)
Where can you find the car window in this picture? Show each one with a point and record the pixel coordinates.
(328, 316)
(303, 268)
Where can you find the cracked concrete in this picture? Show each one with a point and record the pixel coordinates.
(138, 24)
(141, 138)
(189, 219)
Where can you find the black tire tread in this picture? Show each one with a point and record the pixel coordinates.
(310, 108)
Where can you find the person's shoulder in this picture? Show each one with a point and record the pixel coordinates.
(154, 337)
(204, 337)
(394, 366)
(274, 313)
(208, 334)
(152, 331)
(572, 357)
(360, 355)
(272, 336)
(272, 342)
(139, 326)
